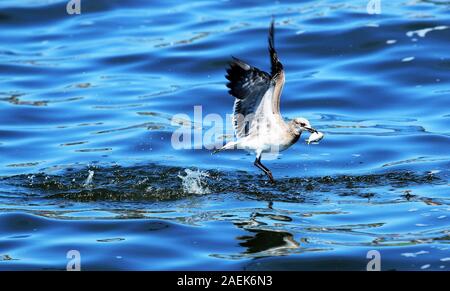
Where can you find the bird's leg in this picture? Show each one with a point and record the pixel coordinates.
(264, 169)
(268, 173)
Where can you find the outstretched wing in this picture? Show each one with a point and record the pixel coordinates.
(257, 93)
(277, 71)
(249, 85)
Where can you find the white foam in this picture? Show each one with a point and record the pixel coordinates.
(88, 181)
(408, 59)
(413, 255)
(423, 32)
(425, 266)
(194, 182)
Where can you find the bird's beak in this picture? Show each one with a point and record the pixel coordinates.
(310, 129)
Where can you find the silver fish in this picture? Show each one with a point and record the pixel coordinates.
(315, 136)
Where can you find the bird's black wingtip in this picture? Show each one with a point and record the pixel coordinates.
(271, 33)
(276, 67)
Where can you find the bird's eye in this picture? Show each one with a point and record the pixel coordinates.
(302, 124)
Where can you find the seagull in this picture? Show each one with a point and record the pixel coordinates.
(257, 121)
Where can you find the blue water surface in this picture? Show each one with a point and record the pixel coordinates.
(86, 118)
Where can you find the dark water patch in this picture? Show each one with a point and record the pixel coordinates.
(159, 183)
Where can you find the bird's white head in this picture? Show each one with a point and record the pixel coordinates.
(302, 124)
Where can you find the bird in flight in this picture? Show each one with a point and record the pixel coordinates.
(258, 124)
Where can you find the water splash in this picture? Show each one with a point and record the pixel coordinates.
(194, 182)
(88, 181)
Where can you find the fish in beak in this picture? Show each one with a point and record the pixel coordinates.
(315, 136)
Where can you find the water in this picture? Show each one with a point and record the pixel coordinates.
(86, 162)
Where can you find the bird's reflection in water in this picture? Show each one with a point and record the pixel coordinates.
(267, 242)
